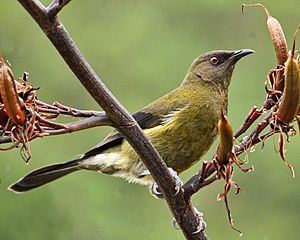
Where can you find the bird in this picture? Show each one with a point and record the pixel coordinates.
(182, 126)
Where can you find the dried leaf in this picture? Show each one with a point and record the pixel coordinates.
(282, 151)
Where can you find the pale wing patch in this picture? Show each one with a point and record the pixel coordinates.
(171, 116)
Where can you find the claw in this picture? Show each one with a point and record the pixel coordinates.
(178, 181)
(202, 224)
(155, 191)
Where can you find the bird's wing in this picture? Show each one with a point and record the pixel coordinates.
(151, 116)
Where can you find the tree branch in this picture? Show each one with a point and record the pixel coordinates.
(90, 122)
(55, 7)
(97, 120)
(121, 118)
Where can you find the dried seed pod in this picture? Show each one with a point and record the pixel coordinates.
(290, 102)
(3, 119)
(9, 95)
(226, 140)
(298, 59)
(298, 122)
(276, 33)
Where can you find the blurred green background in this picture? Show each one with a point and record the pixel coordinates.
(141, 50)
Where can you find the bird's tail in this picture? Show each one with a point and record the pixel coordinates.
(44, 175)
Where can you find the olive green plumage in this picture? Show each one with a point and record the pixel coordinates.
(188, 125)
(182, 125)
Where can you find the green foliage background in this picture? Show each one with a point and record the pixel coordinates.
(141, 50)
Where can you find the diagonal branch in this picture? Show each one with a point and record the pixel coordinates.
(182, 210)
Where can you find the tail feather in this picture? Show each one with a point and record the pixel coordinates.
(44, 175)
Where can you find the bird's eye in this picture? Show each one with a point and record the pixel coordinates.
(214, 60)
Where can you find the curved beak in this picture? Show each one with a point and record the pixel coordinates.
(237, 55)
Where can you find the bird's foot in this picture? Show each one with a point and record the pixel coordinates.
(154, 189)
(202, 224)
(178, 181)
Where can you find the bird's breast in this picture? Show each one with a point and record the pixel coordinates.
(188, 135)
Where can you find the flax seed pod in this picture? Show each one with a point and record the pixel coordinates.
(290, 102)
(9, 95)
(276, 33)
(226, 140)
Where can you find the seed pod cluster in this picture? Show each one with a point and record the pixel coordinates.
(12, 104)
(224, 150)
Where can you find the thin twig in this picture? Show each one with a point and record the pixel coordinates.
(5, 139)
(49, 128)
(55, 7)
(197, 182)
(253, 115)
(94, 121)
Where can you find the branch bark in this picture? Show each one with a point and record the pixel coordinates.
(55, 7)
(181, 208)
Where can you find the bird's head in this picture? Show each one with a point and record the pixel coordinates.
(215, 66)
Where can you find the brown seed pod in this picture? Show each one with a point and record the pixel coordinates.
(276, 33)
(9, 95)
(298, 58)
(224, 150)
(290, 102)
(3, 119)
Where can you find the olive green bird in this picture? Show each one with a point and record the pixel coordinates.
(182, 125)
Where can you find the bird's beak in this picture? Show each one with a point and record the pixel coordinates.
(237, 55)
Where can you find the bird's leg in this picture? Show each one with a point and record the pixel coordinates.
(178, 181)
(154, 189)
(202, 224)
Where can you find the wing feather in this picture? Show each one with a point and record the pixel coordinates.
(151, 116)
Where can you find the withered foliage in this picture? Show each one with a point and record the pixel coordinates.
(283, 92)
(17, 112)
(224, 160)
(23, 117)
